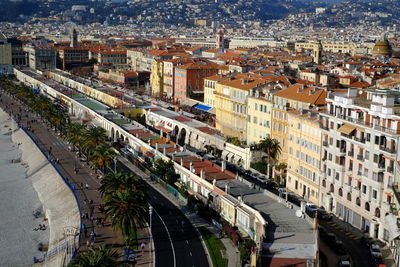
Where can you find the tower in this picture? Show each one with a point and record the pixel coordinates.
(74, 38)
(220, 40)
(317, 50)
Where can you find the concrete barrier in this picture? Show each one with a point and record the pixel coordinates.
(59, 204)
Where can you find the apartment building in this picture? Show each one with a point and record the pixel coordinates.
(259, 110)
(304, 154)
(295, 97)
(209, 87)
(41, 57)
(231, 103)
(5, 55)
(360, 143)
(189, 79)
(157, 78)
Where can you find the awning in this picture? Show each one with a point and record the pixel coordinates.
(202, 107)
(225, 154)
(360, 129)
(347, 129)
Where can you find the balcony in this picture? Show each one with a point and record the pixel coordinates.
(347, 188)
(325, 143)
(350, 153)
(326, 128)
(390, 169)
(381, 166)
(387, 149)
(360, 157)
(342, 151)
(361, 140)
(359, 173)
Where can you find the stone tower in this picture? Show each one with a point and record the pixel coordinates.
(317, 50)
(220, 39)
(74, 38)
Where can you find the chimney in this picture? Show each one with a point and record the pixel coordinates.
(165, 151)
(191, 167)
(181, 162)
(203, 174)
(157, 146)
(214, 181)
(226, 188)
(223, 166)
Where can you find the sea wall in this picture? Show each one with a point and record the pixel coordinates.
(59, 204)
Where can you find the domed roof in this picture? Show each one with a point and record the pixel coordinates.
(381, 48)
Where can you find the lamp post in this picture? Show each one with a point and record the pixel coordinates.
(150, 230)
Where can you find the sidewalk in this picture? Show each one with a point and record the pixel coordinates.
(89, 197)
(232, 253)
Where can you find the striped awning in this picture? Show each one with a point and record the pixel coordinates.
(347, 129)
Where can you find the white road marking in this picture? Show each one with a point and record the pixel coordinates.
(187, 242)
(169, 236)
(190, 254)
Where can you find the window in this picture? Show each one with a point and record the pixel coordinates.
(255, 106)
(364, 189)
(367, 206)
(255, 120)
(374, 194)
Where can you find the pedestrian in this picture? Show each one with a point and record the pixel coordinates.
(58, 161)
(87, 186)
(91, 201)
(142, 246)
(87, 215)
(102, 221)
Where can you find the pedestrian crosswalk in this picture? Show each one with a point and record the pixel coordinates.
(347, 233)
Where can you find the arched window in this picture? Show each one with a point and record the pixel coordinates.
(377, 212)
(358, 201)
(324, 183)
(348, 196)
(332, 188)
(340, 192)
(367, 206)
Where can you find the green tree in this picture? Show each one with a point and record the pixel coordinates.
(92, 138)
(102, 155)
(98, 257)
(272, 149)
(126, 210)
(165, 170)
(122, 182)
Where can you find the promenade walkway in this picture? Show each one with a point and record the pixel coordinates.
(85, 180)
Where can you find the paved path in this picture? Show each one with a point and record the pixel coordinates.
(89, 197)
(231, 251)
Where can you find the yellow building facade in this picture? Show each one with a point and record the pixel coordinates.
(259, 110)
(231, 103)
(157, 78)
(304, 155)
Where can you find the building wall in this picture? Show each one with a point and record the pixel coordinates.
(259, 119)
(209, 87)
(231, 111)
(304, 156)
(183, 83)
(156, 78)
(5, 54)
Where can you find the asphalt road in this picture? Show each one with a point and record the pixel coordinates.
(175, 239)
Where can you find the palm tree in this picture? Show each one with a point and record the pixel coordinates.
(102, 155)
(272, 149)
(126, 211)
(99, 257)
(121, 182)
(73, 134)
(93, 137)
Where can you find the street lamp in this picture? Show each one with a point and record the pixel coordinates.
(151, 237)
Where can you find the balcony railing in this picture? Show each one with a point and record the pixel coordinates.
(361, 140)
(325, 143)
(387, 149)
(390, 169)
(350, 153)
(360, 157)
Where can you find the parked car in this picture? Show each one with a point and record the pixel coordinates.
(344, 263)
(311, 209)
(324, 215)
(375, 251)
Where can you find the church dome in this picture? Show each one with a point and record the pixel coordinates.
(381, 48)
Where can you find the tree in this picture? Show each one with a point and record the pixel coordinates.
(73, 133)
(99, 257)
(92, 138)
(126, 210)
(102, 155)
(122, 182)
(165, 170)
(272, 149)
